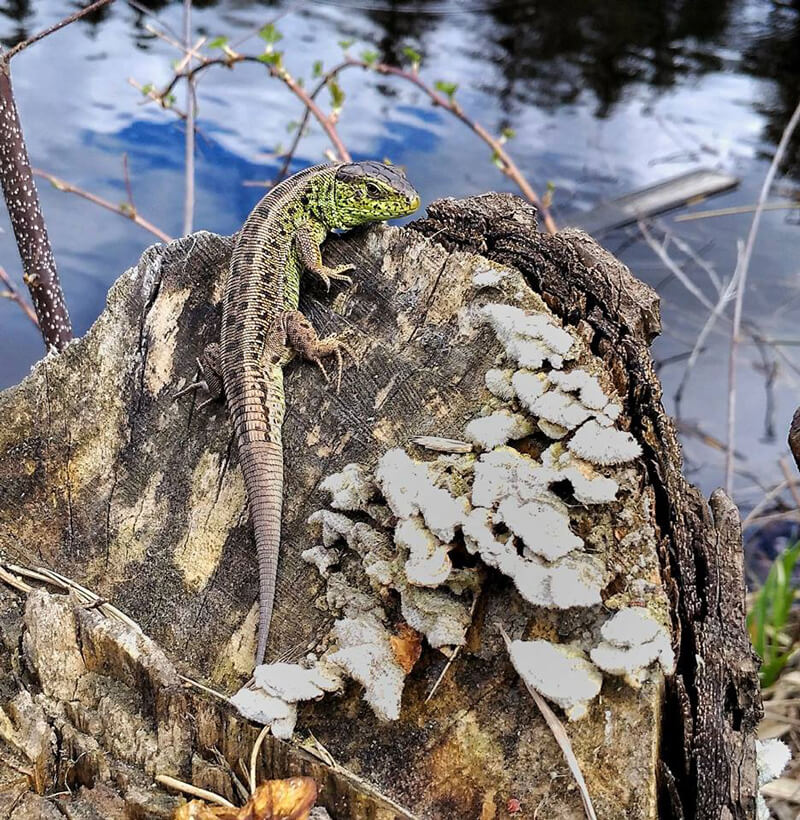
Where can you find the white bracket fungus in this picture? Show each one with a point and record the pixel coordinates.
(603, 445)
(365, 654)
(409, 490)
(498, 428)
(351, 489)
(506, 505)
(560, 673)
(529, 339)
(633, 640)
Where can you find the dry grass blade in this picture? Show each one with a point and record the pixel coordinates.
(741, 283)
(254, 757)
(14, 581)
(738, 209)
(784, 788)
(561, 737)
(84, 595)
(187, 788)
(764, 503)
(791, 481)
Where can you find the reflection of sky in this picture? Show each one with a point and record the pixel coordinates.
(81, 115)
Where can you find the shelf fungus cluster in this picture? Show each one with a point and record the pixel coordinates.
(545, 487)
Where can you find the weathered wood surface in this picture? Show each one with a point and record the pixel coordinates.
(106, 479)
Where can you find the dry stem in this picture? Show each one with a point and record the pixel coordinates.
(741, 283)
(13, 294)
(128, 211)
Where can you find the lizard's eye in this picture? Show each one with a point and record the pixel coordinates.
(373, 189)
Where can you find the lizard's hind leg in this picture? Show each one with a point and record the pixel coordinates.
(301, 336)
(209, 367)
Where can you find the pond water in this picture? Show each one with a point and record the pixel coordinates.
(604, 98)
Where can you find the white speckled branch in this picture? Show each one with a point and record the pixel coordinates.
(22, 200)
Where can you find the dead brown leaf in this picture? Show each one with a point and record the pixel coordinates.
(406, 646)
(290, 799)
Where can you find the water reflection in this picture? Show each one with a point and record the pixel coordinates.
(550, 53)
(774, 54)
(598, 93)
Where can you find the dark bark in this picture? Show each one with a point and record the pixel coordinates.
(25, 213)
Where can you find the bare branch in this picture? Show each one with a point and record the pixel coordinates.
(191, 105)
(13, 294)
(127, 176)
(123, 210)
(55, 27)
(230, 59)
(507, 165)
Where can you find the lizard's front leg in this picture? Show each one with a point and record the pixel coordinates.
(210, 367)
(306, 246)
(301, 336)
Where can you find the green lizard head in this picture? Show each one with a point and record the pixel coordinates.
(369, 191)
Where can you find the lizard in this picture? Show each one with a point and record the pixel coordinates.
(262, 325)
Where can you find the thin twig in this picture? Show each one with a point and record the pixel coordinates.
(452, 658)
(764, 503)
(13, 581)
(725, 296)
(191, 104)
(127, 212)
(669, 263)
(790, 480)
(289, 155)
(744, 265)
(232, 57)
(187, 788)
(506, 163)
(153, 95)
(737, 209)
(13, 294)
(127, 177)
(203, 688)
(55, 27)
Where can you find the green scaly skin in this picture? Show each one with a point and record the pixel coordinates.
(279, 240)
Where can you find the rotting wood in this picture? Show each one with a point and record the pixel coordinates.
(140, 500)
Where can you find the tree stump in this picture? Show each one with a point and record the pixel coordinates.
(500, 458)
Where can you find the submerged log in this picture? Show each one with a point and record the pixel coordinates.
(557, 511)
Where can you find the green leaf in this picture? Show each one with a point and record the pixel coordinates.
(271, 57)
(509, 133)
(414, 56)
(170, 99)
(446, 88)
(317, 70)
(146, 89)
(218, 42)
(345, 44)
(369, 57)
(769, 615)
(337, 95)
(292, 126)
(270, 34)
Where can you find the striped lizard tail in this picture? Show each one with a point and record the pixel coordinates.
(262, 467)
